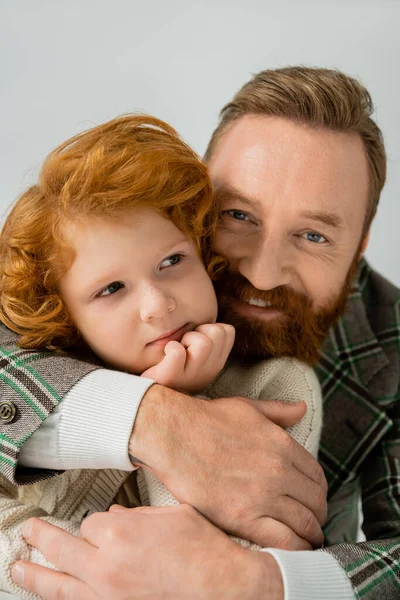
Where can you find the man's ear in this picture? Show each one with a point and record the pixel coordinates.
(364, 244)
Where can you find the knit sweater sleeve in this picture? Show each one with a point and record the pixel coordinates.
(62, 501)
(13, 514)
(292, 381)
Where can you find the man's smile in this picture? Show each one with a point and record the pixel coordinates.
(259, 302)
(257, 309)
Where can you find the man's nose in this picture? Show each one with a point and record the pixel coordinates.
(155, 304)
(266, 266)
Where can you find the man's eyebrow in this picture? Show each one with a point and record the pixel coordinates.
(331, 219)
(228, 192)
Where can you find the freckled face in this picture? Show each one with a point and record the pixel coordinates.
(134, 285)
(292, 204)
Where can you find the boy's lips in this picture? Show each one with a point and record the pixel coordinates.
(169, 336)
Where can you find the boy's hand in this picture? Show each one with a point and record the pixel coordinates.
(195, 361)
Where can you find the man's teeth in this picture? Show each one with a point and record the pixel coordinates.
(259, 302)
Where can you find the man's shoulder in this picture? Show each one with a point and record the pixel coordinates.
(363, 347)
(381, 299)
(373, 285)
(8, 339)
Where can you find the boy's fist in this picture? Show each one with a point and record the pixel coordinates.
(195, 361)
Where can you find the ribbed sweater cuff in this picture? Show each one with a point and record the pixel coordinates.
(312, 576)
(97, 419)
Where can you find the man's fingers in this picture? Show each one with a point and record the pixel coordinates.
(310, 467)
(308, 493)
(300, 520)
(157, 510)
(147, 510)
(281, 413)
(59, 547)
(49, 584)
(268, 532)
(97, 528)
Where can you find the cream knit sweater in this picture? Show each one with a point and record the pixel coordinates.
(65, 500)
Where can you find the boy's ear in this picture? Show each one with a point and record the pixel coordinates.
(364, 244)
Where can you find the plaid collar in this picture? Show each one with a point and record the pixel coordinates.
(355, 418)
(352, 342)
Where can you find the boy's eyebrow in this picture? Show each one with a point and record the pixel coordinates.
(114, 275)
(226, 191)
(101, 281)
(177, 242)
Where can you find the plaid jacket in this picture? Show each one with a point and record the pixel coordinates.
(360, 447)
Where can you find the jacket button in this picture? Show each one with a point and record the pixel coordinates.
(8, 410)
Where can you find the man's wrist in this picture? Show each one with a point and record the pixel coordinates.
(266, 577)
(156, 434)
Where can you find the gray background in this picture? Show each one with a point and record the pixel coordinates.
(69, 64)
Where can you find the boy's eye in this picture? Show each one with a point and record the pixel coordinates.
(315, 238)
(111, 288)
(170, 261)
(237, 214)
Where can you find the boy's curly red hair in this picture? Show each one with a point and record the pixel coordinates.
(131, 161)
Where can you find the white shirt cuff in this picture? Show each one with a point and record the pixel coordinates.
(92, 425)
(312, 576)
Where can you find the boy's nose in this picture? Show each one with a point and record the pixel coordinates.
(155, 305)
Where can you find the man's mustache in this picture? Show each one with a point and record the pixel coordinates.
(282, 298)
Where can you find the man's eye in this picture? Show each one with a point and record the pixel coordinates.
(170, 261)
(237, 214)
(111, 289)
(315, 238)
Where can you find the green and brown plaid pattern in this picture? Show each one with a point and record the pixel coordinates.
(18, 378)
(359, 372)
(35, 382)
(360, 446)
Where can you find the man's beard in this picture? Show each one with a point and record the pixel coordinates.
(299, 333)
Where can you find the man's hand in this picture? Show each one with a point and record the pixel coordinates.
(195, 361)
(158, 553)
(232, 461)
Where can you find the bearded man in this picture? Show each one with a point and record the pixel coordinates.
(298, 166)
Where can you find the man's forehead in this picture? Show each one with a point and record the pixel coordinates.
(262, 161)
(264, 142)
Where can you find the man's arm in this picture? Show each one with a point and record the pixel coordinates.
(187, 553)
(200, 453)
